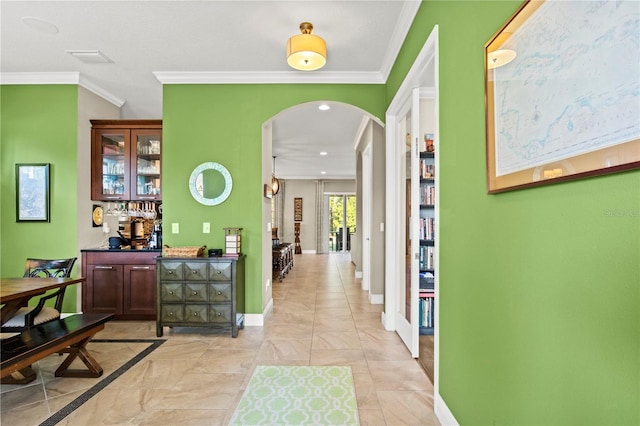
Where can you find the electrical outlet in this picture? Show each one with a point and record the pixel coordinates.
(206, 227)
(175, 228)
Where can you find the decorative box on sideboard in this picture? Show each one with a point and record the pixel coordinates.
(200, 292)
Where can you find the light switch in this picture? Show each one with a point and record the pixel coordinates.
(175, 228)
(381, 226)
(206, 227)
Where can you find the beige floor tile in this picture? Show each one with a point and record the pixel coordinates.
(369, 417)
(399, 375)
(320, 316)
(408, 408)
(284, 350)
(30, 414)
(184, 417)
(323, 340)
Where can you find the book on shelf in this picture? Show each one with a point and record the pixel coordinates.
(427, 228)
(427, 194)
(425, 257)
(426, 317)
(427, 281)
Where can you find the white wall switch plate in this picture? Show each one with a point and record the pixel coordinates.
(206, 227)
(175, 228)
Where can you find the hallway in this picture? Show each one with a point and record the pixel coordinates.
(320, 317)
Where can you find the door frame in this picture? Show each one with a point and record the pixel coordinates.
(423, 73)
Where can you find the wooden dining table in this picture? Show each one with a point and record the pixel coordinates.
(16, 292)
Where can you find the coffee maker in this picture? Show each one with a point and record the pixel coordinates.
(155, 242)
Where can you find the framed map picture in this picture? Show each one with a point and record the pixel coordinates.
(32, 192)
(562, 82)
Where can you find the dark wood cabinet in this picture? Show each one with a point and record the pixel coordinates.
(120, 282)
(126, 160)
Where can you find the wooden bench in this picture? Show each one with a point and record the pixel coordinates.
(68, 335)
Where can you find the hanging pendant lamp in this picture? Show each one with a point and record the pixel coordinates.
(306, 52)
(275, 182)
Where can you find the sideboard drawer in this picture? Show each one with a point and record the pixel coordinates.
(220, 314)
(220, 292)
(172, 313)
(195, 271)
(196, 314)
(221, 271)
(171, 271)
(171, 292)
(195, 292)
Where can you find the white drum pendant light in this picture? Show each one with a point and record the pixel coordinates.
(306, 52)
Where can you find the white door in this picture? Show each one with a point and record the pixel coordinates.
(406, 313)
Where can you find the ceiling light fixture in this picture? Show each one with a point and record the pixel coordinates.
(306, 52)
(324, 107)
(323, 153)
(275, 182)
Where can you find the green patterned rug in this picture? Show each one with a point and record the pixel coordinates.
(278, 395)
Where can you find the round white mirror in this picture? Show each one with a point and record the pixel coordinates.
(210, 183)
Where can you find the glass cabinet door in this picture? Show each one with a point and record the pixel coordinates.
(114, 160)
(146, 164)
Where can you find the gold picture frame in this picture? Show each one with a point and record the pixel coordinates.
(561, 86)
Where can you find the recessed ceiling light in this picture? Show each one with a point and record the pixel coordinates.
(323, 153)
(324, 107)
(323, 172)
(90, 56)
(40, 25)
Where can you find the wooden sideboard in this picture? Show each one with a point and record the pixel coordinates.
(200, 292)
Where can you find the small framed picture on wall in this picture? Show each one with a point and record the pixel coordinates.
(297, 209)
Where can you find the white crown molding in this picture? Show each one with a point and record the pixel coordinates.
(285, 77)
(30, 78)
(401, 29)
(39, 77)
(101, 92)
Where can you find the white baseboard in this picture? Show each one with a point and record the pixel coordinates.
(309, 252)
(358, 274)
(257, 320)
(376, 299)
(443, 413)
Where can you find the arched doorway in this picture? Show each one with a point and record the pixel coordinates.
(307, 141)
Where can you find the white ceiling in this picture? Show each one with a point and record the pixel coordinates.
(156, 42)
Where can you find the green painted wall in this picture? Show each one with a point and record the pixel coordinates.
(539, 288)
(223, 123)
(39, 125)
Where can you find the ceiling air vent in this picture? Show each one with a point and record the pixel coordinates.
(89, 56)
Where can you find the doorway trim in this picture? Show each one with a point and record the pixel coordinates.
(414, 79)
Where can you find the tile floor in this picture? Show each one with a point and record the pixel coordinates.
(197, 377)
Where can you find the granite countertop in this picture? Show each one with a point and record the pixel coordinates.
(126, 248)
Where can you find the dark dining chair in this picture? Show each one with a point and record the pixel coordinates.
(27, 317)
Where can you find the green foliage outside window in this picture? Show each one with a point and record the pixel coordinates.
(336, 212)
